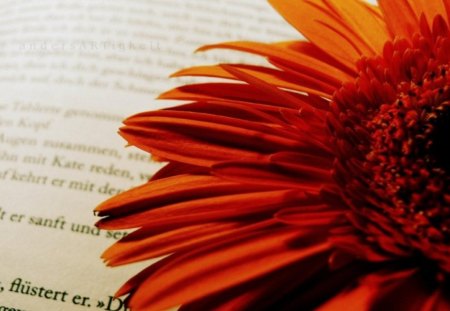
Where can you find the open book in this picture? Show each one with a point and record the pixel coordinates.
(70, 71)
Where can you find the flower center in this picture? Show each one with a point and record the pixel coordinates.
(441, 137)
(391, 130)
(409, 154)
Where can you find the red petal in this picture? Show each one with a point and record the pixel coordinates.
(235, 110)
(175, 168)
(183, 148)
(218, 128)
(169, 190)
(209, 209)
(369, 289)
(310, 216)
(260, 293)
(297, 159)
(265, 174)
(210, 270)
(438, 301)
(142, 244)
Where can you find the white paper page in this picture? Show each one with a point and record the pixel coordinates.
(70, 71)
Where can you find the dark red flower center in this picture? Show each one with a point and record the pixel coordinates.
(391, 129)
(409, 157)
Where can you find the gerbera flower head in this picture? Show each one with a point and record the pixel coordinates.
(321, 181)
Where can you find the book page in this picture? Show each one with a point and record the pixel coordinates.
(70, 71)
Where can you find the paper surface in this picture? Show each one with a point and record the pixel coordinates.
(70, 71)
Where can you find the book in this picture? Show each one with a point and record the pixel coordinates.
(70, 71)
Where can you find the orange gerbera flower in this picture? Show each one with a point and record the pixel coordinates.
(322, 181)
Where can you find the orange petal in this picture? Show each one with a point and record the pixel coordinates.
(262, 86)
(303, 63)
(301, 83)
(431, 8)
(400, 17)
(216, 133)
(363, 21)
(308, 48)
(324, 28)
(225, 91)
